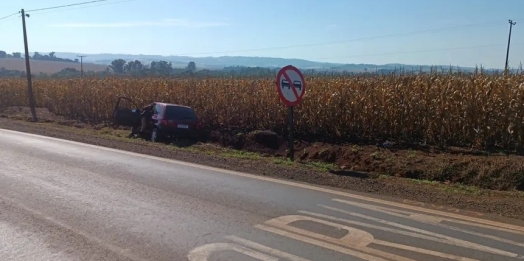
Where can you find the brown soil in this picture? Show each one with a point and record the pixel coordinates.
(451, 165)
(358, 168)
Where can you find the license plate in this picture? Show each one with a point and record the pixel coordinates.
(182, 126)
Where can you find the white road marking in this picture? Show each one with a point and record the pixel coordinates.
(320, 243)
(266, 249)
(423, 251)
(202, 253)
(357, 223)
(457, 219)
(356, 239)
(436, 221)
(439, 238)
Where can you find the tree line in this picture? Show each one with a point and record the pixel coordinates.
(37, 56)
(136, 68)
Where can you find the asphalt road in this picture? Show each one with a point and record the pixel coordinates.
(61, 200)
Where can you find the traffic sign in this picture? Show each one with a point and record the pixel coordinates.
(291, 85)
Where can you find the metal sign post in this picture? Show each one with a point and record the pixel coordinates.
(291, 87)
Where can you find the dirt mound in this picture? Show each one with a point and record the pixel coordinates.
(263, 141)
(498, 172)
(226, 138)
(453, 165)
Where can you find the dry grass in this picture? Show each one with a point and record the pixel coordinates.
(480, 111)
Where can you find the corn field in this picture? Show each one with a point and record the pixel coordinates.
(465, 110)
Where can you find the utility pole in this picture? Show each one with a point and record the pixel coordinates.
(28, 71)
(81, 65)
(511, 24)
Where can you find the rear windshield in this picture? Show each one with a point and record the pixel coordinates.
(180, 113)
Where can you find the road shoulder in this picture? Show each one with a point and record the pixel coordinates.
(429, 194)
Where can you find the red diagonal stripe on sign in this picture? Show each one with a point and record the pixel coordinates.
(292, 85)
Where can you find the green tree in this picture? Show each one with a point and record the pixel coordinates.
(134, 66)
(3, 54)
(191, 66)
(161, 68)
(37, 56)
(118, 65)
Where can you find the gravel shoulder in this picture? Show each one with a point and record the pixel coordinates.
(451, 197)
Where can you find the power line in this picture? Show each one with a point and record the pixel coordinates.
(62, 6)
(419, 51)
(83, 7)
(7, 16)
(346, 41)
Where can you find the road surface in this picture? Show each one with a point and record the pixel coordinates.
(61, 200)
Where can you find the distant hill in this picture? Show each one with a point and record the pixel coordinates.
(47, 67)
(218, 63)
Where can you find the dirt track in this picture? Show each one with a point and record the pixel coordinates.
(508, 204)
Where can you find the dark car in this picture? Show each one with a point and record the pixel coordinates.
(285, 84)
(162, 120)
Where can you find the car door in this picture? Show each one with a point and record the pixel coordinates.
(157, 114)
(126, 113)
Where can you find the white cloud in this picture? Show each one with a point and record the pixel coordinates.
(165, 22)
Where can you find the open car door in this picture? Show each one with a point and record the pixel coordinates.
(126, 113)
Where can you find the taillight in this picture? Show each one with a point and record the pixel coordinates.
(163, 122)
(197, 125)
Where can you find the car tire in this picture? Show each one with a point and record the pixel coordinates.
(155, 135)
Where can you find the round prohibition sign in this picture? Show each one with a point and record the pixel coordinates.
(291, 85)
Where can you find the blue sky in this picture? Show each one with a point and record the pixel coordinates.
(343, 31)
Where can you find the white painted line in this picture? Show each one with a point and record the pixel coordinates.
(259, 247)
(320, 243)
(435, 220)
(362, 224)
(435, 237)
(461, 219)
(202, 253)
(423, 251)
(355, 239)
(421, 231)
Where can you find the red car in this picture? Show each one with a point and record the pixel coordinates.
(162, 120)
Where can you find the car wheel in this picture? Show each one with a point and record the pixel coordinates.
(155, 135)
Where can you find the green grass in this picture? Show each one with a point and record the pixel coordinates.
(240, 154)
(461, 189)
(322, 166)
(452, 188)
(319, 166)
(284, 162)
